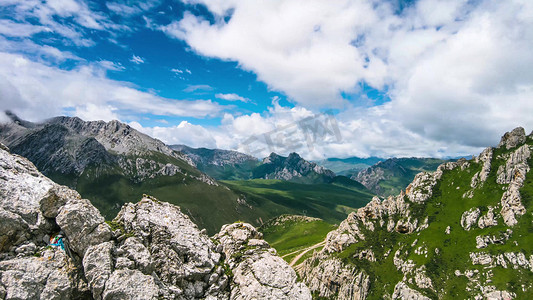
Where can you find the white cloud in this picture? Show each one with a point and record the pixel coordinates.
(37, 91)
(177, 71)
(458, 73)
(184, 133)
(112, 66)
(137, 59)
(198, 87)
(232, 97)
(13, 29)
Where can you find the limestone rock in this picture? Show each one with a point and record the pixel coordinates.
(488, 219)
(515, 167)
(98, 266)
(499, 295)
(481, 176)
(257, 272)
(165, 243)
(328, 276)
(130, 284)
(403, 291)
(512, 206)
(46, 277)
(54, 199)
(83, 224)
(514, 138)
(469, 218)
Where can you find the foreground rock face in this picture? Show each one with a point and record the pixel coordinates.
(258, 273)
(151, 250)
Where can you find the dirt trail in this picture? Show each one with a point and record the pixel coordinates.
(295, 259)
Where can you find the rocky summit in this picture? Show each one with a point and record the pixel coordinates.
(292, 168)
(151, 250)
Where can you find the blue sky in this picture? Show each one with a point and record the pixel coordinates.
(401, 78)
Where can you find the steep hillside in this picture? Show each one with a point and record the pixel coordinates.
(388, 177)
(462, 232)
(220, 164)
(294, 236)
(348, 166)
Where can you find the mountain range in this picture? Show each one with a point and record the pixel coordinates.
(390, 176)
(111, 163)
(460, 232)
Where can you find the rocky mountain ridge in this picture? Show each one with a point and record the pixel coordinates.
(389, 176)
(69, 145)
(292, 168)
(460, 232)
(151, 250)
(216, 157)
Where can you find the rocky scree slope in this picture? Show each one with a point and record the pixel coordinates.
(151, 250)
(462, 232)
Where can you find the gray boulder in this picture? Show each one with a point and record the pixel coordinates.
(258, 273)
(513, 138)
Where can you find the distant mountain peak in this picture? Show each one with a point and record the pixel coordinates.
(292, 167)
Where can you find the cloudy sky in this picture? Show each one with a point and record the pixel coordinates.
(370, 77)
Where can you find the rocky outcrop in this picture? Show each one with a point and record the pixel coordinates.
(469, 218)
(486, 158)
(513, 173)
(403, 291)
(151, 250)
(258, 273)
(513, 138)
(488, 219)
(373, 233)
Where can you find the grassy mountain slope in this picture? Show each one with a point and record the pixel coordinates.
(430, 248)
(291, 234)
(326, 201)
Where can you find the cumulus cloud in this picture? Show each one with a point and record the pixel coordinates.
(457, 72)
(37, 91)
(232, 97)
(185, 133)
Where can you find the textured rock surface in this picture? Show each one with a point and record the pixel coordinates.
(154, 251)
(25, 198)
(258, 273)
(513, 138)
(403, 291)
(469, 218)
